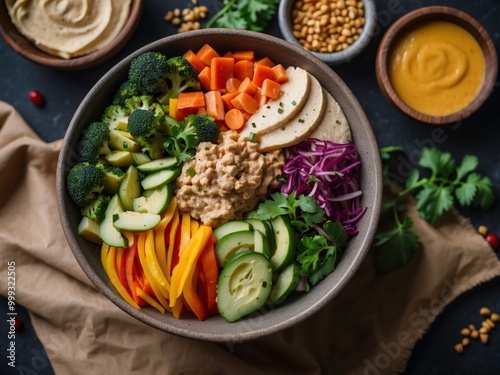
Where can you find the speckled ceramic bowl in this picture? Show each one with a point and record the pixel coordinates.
(300, 306)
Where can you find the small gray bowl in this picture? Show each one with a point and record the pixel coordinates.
(334, 58)
(300, 306)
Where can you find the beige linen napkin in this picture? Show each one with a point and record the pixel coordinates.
(370, 328)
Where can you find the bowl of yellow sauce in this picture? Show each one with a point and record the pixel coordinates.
(437, 64)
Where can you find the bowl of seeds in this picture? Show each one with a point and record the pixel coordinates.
(336, 31)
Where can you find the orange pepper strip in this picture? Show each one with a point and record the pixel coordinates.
(149, 277)
(210, 270)
(154, 265)
(146, 297)
(193, 300)
(187, 263)
(171, 243)
(130, 253)
(113, 277)
(185, 231)
(160, 245)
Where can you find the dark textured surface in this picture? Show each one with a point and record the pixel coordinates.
(479, 135)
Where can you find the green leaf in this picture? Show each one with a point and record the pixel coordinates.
(412, 179)
(468, 164)
(433, 200)
(484, 197)
(336, 233)
(316, 258)
(395, 247)
(387, 152)
(440, 163)
(465, 193)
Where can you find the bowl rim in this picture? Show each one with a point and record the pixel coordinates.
(187, 330)
(333, 58)
(17, 41)
(446, 13)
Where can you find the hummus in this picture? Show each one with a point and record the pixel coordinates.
(69, 28)
(226, 180)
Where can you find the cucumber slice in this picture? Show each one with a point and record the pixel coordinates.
(154, 201)
(130, 188)
(135, 221)
(244, 285)
(234, 243)
(264, 227)
(231, 227)
(261, 245)
(284, 236)
(156, 179)
(158, 164)
(89, 230)
(285, 283)
(109, 234)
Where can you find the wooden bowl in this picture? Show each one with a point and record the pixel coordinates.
(440, 13)
(27, 49)
(297, 307)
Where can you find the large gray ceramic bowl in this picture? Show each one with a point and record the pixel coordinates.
(295, 309)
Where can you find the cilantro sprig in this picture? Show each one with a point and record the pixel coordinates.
(319, 241)
(244, 14)
(447, 182)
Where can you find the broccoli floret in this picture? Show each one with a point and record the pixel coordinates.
(147, 130)
(186, 135)
(139, 102)
(85, 181)
(125, 91)
(114, 115)
(94, 142)
(147, 72)
(95, 211)
(151, 73)
(113, 176)
(206, 128)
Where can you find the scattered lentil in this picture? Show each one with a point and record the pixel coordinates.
(327, 25)
(188, 18)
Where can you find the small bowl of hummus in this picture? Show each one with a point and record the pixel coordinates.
(437, 64)
(68, 35)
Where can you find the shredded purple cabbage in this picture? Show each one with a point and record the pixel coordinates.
(329, 172)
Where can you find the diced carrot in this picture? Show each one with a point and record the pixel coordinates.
(228, 54)
(243, 69)
(214, 105)
(245, 102)
(261, 73)
(247, 55)
(261, 99)
(221, 70)
(206, 53)
(188, 99)
(246, 115)
(234, 119)
(204, 77)
(280, 72)
(266, 61)
(194, 60)
(232, 84)
(201, 111)
(247, 86)
(271, 89)
(226, 99)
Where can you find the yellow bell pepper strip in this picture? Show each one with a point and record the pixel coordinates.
(133, 279)
(104, 256)
(172, 107)
(209, 275)
(172, 243)
(178, 308)
(193, 300)
(187, 262)
(149, 277)
(120, 266)
(185, 232)
(160, 236)
(154, 265)
(194, 227)
(113, 277)
(146, 297)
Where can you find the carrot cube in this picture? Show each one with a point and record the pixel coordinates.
(221, 70)
(206, 53)
(194, 60)
(214, 105)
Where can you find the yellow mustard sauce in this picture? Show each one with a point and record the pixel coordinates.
(437, 68)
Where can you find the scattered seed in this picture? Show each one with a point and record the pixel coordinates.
(459, 348)
(482, 230)
(465, 332)
(474, 334)
(36, 98)
(465, 341)
(490, 323)
(495, 317)
(472, 327)
(484, 338)
(484, 311)
(483, 330)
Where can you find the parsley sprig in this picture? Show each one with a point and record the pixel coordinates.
(434, 194)
(244, 14)
(319, 241)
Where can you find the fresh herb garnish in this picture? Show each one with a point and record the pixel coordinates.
(244, 14)
(434, 196)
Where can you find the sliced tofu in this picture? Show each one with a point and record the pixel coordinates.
(276, 113)
(334, 125)
(302, 125)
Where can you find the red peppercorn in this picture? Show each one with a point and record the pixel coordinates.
(36, 98)
(18, 324)
(492, 239)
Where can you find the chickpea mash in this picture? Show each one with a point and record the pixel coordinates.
(69, 28)
(437, 68)
(226, 180)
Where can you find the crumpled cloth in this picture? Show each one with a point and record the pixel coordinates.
(370, 327)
